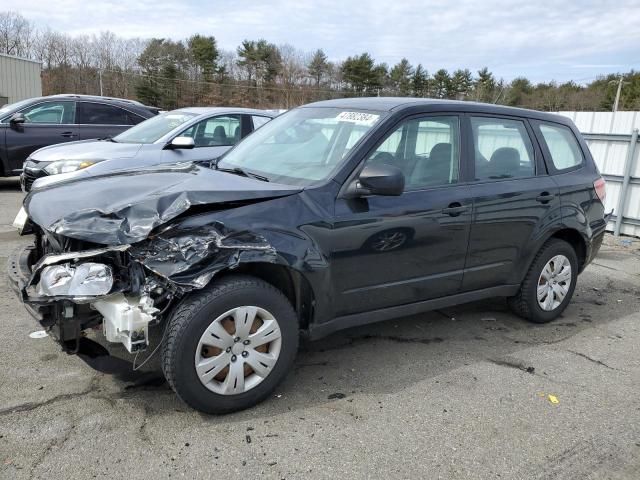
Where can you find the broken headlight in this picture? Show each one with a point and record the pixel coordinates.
(83, 280)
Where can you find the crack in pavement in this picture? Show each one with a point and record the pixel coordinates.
(25, 407)
(89, 391)
(593, 360)
(396, 339)
(518, 365)
(45, 452)
(352, 341)
(538, 342)
(142, 430)
(615, 269)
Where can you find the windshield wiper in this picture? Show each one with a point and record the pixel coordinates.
(242, 172)
(107, 139)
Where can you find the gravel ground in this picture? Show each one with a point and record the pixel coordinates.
(463, 392)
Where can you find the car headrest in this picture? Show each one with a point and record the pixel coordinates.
(219, 134)
(505, 160)
(440, 153)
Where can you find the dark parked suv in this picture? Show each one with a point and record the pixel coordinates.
(37, 122)
(335, 214)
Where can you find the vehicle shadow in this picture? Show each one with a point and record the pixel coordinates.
(10, 184)
(391, 356)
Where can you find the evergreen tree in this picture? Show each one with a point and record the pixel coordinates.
(318, 66)
(441, 84)
(401, 76)
(420, 82)
(204, 54)
(484, 86)
(460, 84)
(363, 76)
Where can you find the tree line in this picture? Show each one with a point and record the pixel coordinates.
(174, 73)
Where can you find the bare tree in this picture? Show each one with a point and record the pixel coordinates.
(16, 34)
(175, 73)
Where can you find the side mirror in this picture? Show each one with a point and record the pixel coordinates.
(380, 179)
(17, 118)
(182, 143)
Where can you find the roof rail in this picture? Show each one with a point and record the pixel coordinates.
(98, 97)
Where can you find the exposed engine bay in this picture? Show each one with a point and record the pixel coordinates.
(126, 287)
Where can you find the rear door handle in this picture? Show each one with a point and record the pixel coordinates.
(455, 209)
(68, 134)
(545, 197)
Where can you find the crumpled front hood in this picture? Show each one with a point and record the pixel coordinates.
(125, 207)
(86, 150)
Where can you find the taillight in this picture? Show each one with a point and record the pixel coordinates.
(600, 187)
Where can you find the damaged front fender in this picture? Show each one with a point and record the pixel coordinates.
(190, 257)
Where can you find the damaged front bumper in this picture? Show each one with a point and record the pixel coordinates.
(18, 275)
(124, 289)
(124, 315)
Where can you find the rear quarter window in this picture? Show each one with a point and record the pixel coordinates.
(563, 147)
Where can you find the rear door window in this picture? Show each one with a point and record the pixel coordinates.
(502, 148)
(101, 114)
(563, 147)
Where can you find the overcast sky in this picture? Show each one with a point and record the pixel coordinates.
(540, 39)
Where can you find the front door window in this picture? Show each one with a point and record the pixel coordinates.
(427, 150)
(57, 113)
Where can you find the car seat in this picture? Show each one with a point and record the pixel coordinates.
(504, 163)
(219, 136)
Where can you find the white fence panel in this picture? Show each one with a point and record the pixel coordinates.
(609, 136)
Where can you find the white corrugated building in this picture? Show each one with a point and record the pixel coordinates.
(19, 79)
(615, 149)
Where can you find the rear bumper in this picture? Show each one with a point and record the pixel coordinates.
(598, 233)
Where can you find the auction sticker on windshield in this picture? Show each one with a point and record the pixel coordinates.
(360, 118)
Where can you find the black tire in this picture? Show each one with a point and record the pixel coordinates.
(196, 312)
(525, 303)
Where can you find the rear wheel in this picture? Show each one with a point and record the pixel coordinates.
(549, 284)
(229, 345)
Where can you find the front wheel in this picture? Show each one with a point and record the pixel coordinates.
(549, 284)
(230, 344)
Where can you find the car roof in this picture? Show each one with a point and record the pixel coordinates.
(214, 110)
(133, 105)
(95, 98)
(395, 104)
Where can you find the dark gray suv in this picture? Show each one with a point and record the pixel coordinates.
(332, 215)
(31, 124)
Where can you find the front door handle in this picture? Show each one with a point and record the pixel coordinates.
(454, 209)
(545, 197)
(68, 134)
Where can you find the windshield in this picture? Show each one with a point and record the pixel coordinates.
(155, 128)
(14, 106)
(302, 146)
